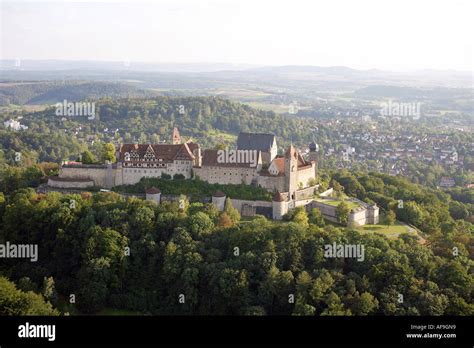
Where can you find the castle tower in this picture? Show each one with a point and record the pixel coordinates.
(291, 171)
(218, 199)
(153, 194)
(175, 137)
(279, 206)
(373, 214)
(313, 151)
(314, 155)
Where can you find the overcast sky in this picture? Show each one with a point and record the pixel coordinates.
(384, 34)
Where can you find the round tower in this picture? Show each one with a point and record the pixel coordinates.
(218, 199)
(153, 194)
(279, 206)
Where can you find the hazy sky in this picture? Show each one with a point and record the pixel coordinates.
(384, 34)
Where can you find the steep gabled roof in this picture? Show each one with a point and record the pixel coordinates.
(293, 152)
(165, 152)
(192, 146)
(255, 141)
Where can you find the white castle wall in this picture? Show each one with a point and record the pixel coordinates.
(95, 173)
(155, 197)
(279, 209)
(358, 218)
(219, 202)
(305, 175)
(133, 175)
(306, 193)
(303, 202)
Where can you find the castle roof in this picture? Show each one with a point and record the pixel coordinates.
(279, 164)
(313, 146)
(153, 190)
(165, 152)
(255, 141)
(218, 194)
(293, 152)
(278, 197)
(192, 146)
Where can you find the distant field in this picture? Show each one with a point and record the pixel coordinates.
(277, 108)
(240, 93)
(27, 108)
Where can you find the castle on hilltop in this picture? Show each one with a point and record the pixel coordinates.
(255, 162)
(259, 166)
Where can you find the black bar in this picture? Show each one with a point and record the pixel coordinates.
(112, 330)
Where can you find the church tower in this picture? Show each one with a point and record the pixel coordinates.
(175, 137)
(291, 171)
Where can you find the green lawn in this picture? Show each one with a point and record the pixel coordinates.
(392, 232)
(335, 202)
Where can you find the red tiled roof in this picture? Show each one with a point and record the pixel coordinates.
(280, 164)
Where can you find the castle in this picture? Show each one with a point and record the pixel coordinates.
(255, 162)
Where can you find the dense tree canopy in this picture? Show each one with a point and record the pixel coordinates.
(130, 254)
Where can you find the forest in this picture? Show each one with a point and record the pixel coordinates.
(102, 251)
